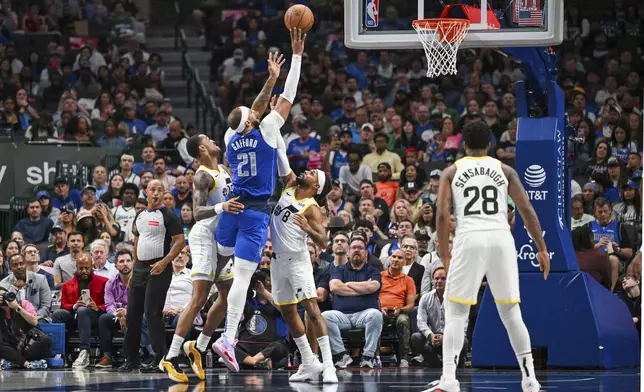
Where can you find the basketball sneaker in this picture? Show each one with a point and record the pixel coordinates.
(329, 376)
(195, 357)
(171, 366)
(226, 351)
(444, 386)
(308, 372)
(530, 385)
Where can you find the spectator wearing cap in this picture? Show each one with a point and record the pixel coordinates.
(612, 237)
(147, 156)
(318, 120)
(161, 173)
(506, 150)
(355, 287)
(126, 166)
(48, 210)
(89, 198)
(579, 102)
(368, 190)
(352, 175)
(422, 237)
(579, 217)
(366, 144)
(347, 119)
(337, 200)
(633, 163)
(298, 150)
(177, 140)
(629, 210)
(397, 297)
(63, 196)
(57, 247)
(387, 189)
(381, 155)
(135, 125)
(614, 171)
(31, 255)
(36, 227)
(159, 131)
(411, 193)
(338, 157)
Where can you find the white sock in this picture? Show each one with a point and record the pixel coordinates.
(243, 271)
(453, 336)
(510, 315)
(305, 349)
(325, 350)
(202, 342)
(175, 347)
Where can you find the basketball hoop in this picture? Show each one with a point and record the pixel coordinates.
(441, 39)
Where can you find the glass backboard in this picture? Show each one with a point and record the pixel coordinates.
(386, 24)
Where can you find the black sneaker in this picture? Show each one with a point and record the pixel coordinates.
(152, 367)
(265, 364)
(128, 367)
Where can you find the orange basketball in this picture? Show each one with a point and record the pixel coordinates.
(299, 16)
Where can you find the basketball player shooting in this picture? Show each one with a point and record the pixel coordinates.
(252, 148)
(477, 186)
(211, 186)
(296, 218)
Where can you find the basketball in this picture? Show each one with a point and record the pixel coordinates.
(299, 16)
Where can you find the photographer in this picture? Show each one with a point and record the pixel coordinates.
(21, 343)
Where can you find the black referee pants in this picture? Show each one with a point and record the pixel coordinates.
(146, 295)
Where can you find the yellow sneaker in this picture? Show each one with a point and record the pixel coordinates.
(195, 356)
(171, 366)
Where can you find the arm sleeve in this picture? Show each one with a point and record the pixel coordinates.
(421, 319)
(283, 167)
(270, 128)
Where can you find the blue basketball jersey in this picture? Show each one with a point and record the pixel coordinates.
(253, 163)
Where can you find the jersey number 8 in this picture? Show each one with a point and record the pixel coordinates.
(490, 196)
(287, 213)
(246, 159)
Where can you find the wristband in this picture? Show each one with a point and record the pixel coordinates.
(219, 208)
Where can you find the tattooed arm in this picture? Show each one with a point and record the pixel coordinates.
(203, 183)
(262, 100)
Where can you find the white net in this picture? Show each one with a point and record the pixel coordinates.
(441, 39)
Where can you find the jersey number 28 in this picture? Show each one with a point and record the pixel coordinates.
(247, 159)
(489, 195)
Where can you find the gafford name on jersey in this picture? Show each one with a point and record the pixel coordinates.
(498, 178)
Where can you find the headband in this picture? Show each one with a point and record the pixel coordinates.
(321, 180)
(245, 112)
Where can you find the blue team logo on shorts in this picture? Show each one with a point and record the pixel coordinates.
(257, 324)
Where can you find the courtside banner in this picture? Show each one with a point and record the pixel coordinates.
(541, 162)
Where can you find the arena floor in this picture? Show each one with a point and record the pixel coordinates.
(412, 380)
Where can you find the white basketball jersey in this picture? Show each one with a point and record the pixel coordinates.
(480, 195)
(287, 237)
(221, 188)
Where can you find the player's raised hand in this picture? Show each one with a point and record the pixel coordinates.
(544, 263)
(233, 206)
(297, 40)
(302, 222)
(275, 62)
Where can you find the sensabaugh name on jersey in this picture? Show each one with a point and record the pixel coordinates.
(244, 142)
(466, 175)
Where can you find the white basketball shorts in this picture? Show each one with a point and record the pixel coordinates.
(203, 250)
(483, 253)
(292, 278)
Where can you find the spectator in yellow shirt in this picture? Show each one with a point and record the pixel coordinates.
(381, 155)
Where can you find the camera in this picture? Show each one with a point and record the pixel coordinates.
(9, 297)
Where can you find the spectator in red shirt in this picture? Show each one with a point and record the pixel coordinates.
(79, 312)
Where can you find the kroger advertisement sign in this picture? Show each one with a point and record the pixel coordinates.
(541, 164)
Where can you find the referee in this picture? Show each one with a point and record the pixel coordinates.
(158, 239)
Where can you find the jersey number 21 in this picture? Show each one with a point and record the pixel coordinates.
(245, 160)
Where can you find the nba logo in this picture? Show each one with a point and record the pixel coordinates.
(371, 13)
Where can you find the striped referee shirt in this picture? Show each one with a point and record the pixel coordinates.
(155, 229)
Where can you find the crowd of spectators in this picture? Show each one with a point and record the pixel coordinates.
(372, 120)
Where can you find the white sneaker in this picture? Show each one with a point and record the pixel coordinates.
(307, 372)
(443, 386)
(530, 385)
(418, 359)
(404, 363)
(344, 362)
(366, 362)
(82, 361)
(329, 376)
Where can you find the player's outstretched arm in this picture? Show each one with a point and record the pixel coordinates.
(275, 62)
(443, 212)
(286, 99)
(203, 183)
(529, 216)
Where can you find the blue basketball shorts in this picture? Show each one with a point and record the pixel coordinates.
(246, 232)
